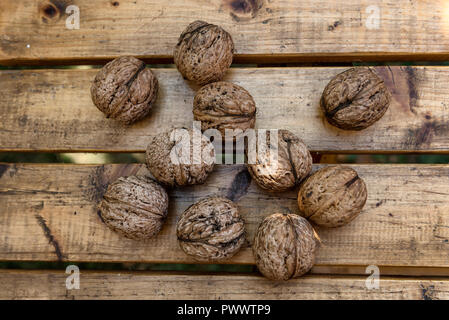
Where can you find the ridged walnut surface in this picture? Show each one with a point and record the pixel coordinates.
(211, 230)
(293, 165)
(223, 105)
(355, 99)
(134, 206)
(204, 52)
(169, 161)
(125, 90)
(333, 196)
(284, 246)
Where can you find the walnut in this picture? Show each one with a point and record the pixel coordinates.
(355, 99)
(284, 246)
(293, 164)
(125, 90)
(204, 52)
(333, 196)
(134, 206)
(224, 105)
(211, 230)
(180, 157)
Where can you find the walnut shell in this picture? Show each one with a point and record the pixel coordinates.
(125, 90)
(284, 246)
(355, 99)
(134, 206)
(211, 230)
(204, 52)
(293, 165)
(333, 196)
(224, 105)
(180, 157)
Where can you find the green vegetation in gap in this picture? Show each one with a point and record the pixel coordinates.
(128, 266)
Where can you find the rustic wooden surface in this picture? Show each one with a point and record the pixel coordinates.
(161, 286)
(35, 31)
(48, 213)
(51, 110)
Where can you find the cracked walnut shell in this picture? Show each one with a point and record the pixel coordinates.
(355, 99)
(211, 230)
(223, 105)
(294, 162)
(180, 157)
(134, 206)
(125, 90)
(333, 196)
(204, 52)
(284, 246)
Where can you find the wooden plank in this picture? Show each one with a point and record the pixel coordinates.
(48, 213)
(161, 286)
(51, 110)
(284, 30)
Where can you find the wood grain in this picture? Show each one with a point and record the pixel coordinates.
(51, 110)
(161, 286)
(48, 213)
(35, 32)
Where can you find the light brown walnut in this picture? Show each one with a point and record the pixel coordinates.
(180, 157)
(125, 90)
(204, 52)
(211, 230)
(333, 196)
(285, 246)
(223, 105)
(135, 207)
(294, 163)
(355, 99)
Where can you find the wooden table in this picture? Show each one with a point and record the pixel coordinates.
(48, 211)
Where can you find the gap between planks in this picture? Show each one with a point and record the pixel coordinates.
(242, 59)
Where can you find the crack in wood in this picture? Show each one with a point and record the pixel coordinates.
(427, 293)
(51, 239)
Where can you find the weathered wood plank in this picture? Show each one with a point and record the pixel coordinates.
(35, 31)
(48, 213)
(51, 110)
(161, 286)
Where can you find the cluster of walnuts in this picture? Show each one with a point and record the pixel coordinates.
(212, 229)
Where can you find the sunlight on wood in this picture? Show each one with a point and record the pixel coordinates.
(86, 158)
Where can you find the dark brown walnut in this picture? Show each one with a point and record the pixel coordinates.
(204, 52)
(355, 99)
(285, 246)
(211, 230)
(333, 196)
(134, 206)
(224, 105)
(125, 90)
(293, 163)
(180, 157)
